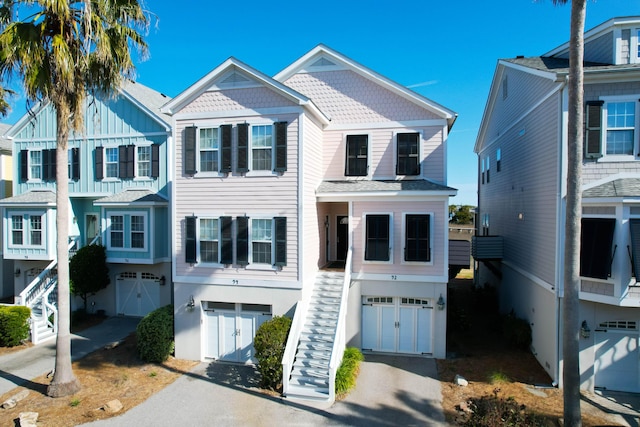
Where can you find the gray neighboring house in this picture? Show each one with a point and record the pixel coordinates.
(6, 190)
(521, 149)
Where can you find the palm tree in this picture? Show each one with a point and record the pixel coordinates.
(62, 52)
(571, 301)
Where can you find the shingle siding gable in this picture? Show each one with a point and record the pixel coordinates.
(236, 100)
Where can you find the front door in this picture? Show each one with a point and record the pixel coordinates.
(342, 238)
(91, 228)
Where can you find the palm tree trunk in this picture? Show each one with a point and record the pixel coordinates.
(64, 382)
(571, 302)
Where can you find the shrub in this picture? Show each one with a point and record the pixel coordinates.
(14, 325)
(88, 271)
(155, 335)
(348, 371)
(492, 411)
(269, 343)
(516, 331)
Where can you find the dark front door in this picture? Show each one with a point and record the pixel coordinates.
(342, 238)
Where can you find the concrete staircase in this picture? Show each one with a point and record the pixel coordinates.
(310, 373)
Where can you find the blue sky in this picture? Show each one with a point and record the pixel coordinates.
(444, 50)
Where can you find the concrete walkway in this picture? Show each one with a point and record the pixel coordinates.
(21, 366)
(390, 391)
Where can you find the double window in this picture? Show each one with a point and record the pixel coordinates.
(40, 165)
(357, 155)
(408, 154)
(27, 230)
(610, 128)
(379, 237)
(260, 148)
(127, 231)
(127, 162)
(258, 241)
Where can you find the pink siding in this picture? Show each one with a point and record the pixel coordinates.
(313, 225)
(236, 99)
(350, 98)
(439, 211)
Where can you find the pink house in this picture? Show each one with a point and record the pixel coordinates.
(319, 194)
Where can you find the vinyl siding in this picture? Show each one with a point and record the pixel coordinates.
(347, 97)
(313, 224)
(527, 184)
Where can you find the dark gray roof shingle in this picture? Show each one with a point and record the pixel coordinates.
(623, 187)
(34, 197)
(138, 196)
(367, 186)
(561, 65)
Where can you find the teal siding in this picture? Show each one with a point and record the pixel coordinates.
(162, 242)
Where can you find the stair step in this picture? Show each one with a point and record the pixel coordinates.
(304, 363)
(313, 354)
(315, 346)
(316, 374)
(320, 322)
(318, 330)
(308, 392)
(324, 308)
(316, 338)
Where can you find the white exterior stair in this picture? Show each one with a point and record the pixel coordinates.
(310, 374)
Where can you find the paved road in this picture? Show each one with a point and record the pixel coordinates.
(391, 391)
(19, 367)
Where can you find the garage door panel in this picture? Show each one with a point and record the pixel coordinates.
(424, 332)
(136, 294)
(616, 361)
(388, 329)
(406, 330)
(370, 327)
(212, 325)
(228, 338)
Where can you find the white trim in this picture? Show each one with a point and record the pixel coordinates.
(604, 114)
(421, 156)
(381, 196)
(124, 215)
(199, 263)
(250, 148)
(411, 279)
(26, 229)
(276, 283)
(345, 137)
(386, 125)
(364, 238)
(229, 115)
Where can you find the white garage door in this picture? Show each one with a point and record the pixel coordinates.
(137, 293)
(230, 328)
(616, 356)
(397, 325)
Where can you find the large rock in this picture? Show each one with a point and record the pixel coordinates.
(112, 406)
(459, 380)
(28, 419)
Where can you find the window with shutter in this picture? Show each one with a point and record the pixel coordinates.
(621, 122)
(190, 240)
(596, 242)
(190, 150)
(261, 147)
(24, 165)
(356, 159)
(35, 164)
(242, 162)
(155, 161)
(74, 163)
(226, 236)
(377, 238)
(417, 240)
(593, 130)
(407, 154)
(97, 167)
(281, 147)
(209, 149)
(225, 158)
(242, 240)
(209, 240)
(634, 227)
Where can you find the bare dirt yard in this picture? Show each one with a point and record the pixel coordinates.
(478, 352)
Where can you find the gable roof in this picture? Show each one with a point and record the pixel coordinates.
(323, 57)
(145, 98)
(234, 71)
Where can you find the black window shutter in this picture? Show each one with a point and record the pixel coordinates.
(242, 240)
(634, 227)
(49, 165)
(281, 240)
(190, 150)
(417, 238)
(281, 146)
(24, 165)
(131, 161)
(98, 169)
(75, 164)
(226, 252)
(593, 130)
(243, 148)
(155, 161)
(596, 240)
(225, 161)
(125, 164)
(190, 240)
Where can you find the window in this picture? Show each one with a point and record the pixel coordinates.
(35, 164)
(621, 119)
(357, 150)
(209, 149)
(209, 240)
(408, 160)
(377, 238)
(498, 160)
(111, 162)
(27, 229)
(261, 147)
(488, 160)
(144, 161)
(482, 170)
(127, 231)
(261, 241)
(596, 242)
(634, 228)
(417, 240)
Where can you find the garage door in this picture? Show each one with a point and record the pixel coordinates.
(230, 328)
(137, 293)
(397, 325)
(616, 356)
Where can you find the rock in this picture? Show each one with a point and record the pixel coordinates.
(112, 406)
(459, 380)
(28, 419)
(464, 407)
(13, 400)
(9, 404)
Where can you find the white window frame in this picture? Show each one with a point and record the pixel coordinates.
(199, 238)
(404, 238)
(106, 163)
(32, 165)
(636, 129)
(369, 159)
(26, 229)
(251, 241)
(261, 172)
(215, 172)
(395, 152)
(364, 238)
(137, 174)
(127, 231)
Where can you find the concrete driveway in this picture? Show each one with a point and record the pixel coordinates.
(391, 391)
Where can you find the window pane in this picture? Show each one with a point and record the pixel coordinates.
(35, 158)
(356, 155)
(261, 253)
(144, 161)
(620, 127)
(137, 231)
(16, 230)
(261, 159)
(261, 147)
(111, 162)
(36, 230)
(117, 231)
(620, 142)
(209, 142)
(261, 240)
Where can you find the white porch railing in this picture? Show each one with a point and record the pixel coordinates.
(339, 343)
(292, 341)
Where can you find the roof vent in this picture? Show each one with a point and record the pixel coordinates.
(520, 57)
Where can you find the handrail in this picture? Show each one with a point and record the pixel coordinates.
(339, 343)
(297, 324)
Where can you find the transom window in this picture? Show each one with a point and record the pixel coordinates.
(621, 119)
(261, 147)
(377, 238)
(209, 237)
(209, 148)
(111, 162)
(261, 238)
(408, 160)
(357, 150)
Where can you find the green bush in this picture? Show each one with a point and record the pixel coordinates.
(492, 411)
(14, 325)
(269, 343)
(516, 331)
(348, 371)
(88, 271)
(155, 335)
